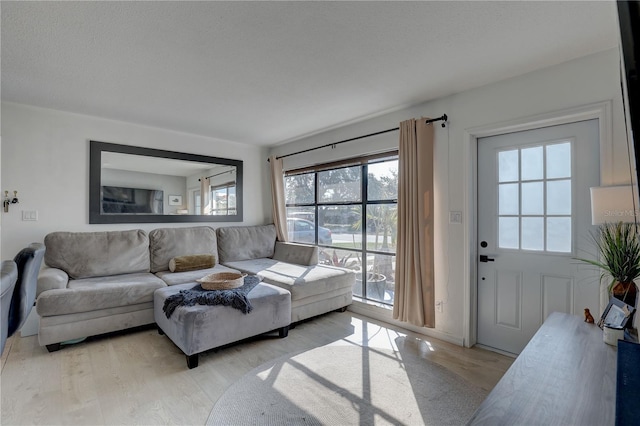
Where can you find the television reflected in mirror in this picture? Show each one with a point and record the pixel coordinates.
(117, 199)
(129, 184)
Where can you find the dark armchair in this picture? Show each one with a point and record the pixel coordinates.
(8, 279)
(28, 262)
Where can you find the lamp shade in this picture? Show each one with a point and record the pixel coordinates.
(612, 204)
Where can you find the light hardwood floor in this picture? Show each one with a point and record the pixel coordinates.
(140, 377)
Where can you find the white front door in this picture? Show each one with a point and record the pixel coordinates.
(534, 217)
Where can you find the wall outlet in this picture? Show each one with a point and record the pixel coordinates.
(455, 217)
(439, 305)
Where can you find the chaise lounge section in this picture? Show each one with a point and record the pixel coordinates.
(315, 289)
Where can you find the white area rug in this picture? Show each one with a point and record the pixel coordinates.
(348, 385)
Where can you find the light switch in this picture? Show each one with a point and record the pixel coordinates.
(455, 217)
(29, 215)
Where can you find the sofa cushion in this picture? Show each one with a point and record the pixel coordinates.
(91, 294)
(301, 281)
(173, 278)
(94, 254)
(246, 242)
(167, 243)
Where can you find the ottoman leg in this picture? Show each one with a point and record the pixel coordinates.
(160, 332)
(192, 361)
(283, 331)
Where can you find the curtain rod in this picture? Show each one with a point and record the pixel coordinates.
(217, 174)
(443, 117)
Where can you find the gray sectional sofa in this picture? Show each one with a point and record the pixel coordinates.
(98, 282)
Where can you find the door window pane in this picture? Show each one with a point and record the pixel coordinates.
(532, 198)
(508, 170)
(559, 197)
(559, 234)
(532, 233)
(532, 163)
(508, 232)
(508, 199)
(559, 160)
(529, 197)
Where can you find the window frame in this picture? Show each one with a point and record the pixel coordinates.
(363, 164)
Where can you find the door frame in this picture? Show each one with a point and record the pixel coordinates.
(602, 111)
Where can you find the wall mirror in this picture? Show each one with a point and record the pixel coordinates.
(129, 184)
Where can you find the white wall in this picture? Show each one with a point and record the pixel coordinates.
(586, 80)
(45, 157)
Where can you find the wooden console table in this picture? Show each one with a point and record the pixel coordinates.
(566, 375)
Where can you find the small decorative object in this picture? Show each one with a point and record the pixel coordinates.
(611, 334)
(222, 281)
(588, 317)
(175, 200)
(616, 314)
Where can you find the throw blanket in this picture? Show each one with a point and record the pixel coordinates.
(236, 298)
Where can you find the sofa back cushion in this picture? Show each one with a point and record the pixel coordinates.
(167, 243)
(97, 254)
(246, 242)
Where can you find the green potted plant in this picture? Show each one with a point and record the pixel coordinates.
(618, 246)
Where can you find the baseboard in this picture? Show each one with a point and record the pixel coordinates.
(385, 315)
(501, 352)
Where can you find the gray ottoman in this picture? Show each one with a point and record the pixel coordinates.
(198, 328)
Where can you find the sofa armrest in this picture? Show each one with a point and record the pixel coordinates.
(50, 279)
(300, 254)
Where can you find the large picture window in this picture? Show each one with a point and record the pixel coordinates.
(349, 210)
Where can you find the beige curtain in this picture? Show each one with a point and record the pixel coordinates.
(205, 195)
(414, 294)
(277, 195)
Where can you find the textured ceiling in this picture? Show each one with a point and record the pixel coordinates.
(264, 73)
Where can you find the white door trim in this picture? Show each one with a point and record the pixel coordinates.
(600, 111)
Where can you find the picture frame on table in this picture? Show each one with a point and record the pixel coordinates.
(175, 200)
(616, 314)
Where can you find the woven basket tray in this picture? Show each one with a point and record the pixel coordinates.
(222, 281)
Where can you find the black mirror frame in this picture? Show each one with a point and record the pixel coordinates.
(95, 165)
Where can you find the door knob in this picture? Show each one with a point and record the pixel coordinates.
(485, 258)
